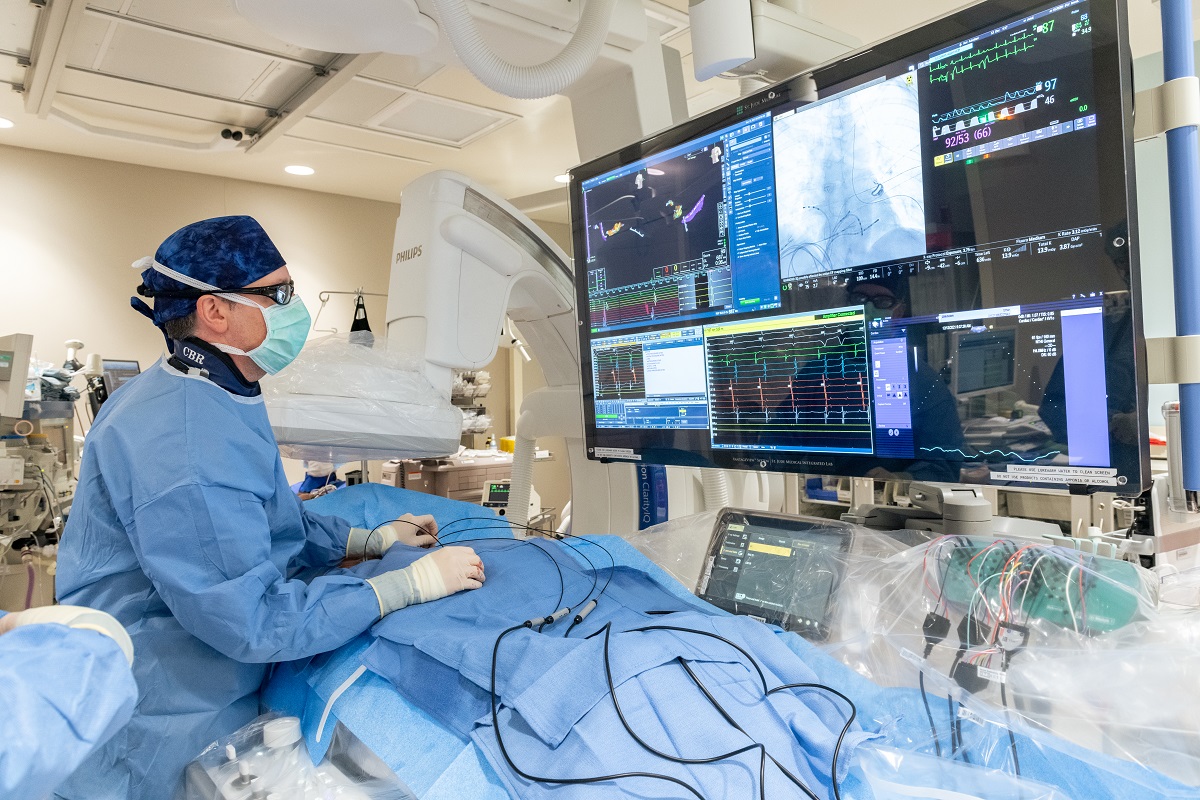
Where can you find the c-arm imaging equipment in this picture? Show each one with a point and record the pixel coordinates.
(464, 259)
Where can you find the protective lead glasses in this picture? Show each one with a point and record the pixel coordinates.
(883, 302)
(281, 293)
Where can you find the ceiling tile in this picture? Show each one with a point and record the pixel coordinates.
(404, 70)
(356, 103)
(18, 18)
(220, 20)
(429, 118)
(89, 39)
(193, 65)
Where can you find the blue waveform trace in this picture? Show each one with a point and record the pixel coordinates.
(1006, 453)
(967, 111)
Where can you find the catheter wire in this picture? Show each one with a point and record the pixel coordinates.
(504, 525)
(497, 524)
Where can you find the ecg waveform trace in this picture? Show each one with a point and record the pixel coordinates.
(948, 70)
(983, 453)
(791, 387)
(619, 373)
(638, 305)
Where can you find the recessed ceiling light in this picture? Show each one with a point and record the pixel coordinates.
(5, 123)
(562, 178)
(653, 171)
(299, 169)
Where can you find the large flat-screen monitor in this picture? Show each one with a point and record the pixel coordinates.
(927, 268)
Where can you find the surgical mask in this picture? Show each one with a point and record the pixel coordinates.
(873, 312)
(287, 329)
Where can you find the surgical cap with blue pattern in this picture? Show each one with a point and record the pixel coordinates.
(223, 252)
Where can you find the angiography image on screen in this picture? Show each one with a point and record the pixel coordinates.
(848, 177)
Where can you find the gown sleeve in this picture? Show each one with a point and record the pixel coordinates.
(207, 550)
(67, 692)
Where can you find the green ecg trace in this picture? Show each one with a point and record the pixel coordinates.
(1016, 44)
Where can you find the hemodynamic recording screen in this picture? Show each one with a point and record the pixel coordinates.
(918, 274)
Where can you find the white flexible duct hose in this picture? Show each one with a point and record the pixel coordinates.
(716, 489)
(527, 83)
(521, 484)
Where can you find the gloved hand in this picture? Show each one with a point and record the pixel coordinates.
(73, 617)
(409, 529)
(443, 572)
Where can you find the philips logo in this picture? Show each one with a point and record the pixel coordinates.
(409, 254)
(192, 355)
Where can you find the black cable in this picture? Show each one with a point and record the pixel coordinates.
(612, 690)
(505, 525)
(728, 718)
(560, 536)
(1012, 740)
(954, 731)
(491, 524)
(561, 579)
(508, 525)
(837, 748)
(768, 692)
(562, 585)
(937, 743)
(564, 781)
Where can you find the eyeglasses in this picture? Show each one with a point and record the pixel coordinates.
(883, 302)
(281, 293)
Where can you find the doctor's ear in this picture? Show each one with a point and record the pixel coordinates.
(213, 315)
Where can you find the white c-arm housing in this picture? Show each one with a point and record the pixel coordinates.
(463, 259)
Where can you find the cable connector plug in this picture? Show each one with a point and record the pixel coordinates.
(934, 629)
(1012, 637)
(971, 632)
(967, 676)
(583, 613)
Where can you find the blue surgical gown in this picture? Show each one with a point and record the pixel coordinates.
(66, 691)
(184, 528)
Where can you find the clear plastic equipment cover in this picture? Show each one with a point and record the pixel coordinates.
(1037, 638)
(349, 398)
(1012, 653)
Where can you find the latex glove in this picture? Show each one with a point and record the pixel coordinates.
(73, 617)
(443, 572)
(409, 529)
